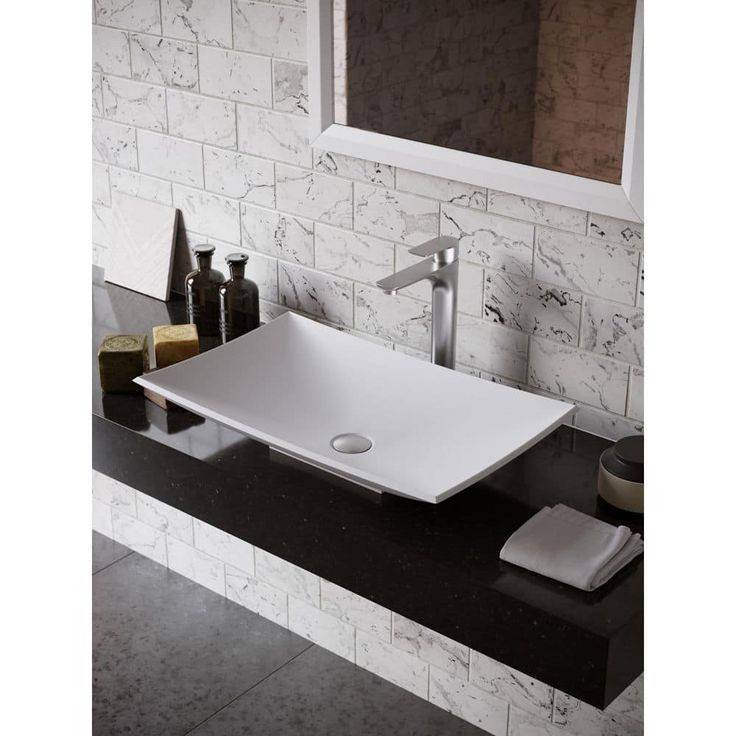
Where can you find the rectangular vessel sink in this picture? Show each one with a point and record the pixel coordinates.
(297, 385)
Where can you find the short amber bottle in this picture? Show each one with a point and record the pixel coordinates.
(200, 287)
(239, 307)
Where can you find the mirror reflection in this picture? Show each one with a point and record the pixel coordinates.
(538, 82)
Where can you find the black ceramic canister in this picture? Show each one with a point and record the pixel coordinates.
(621, 474)
(200, 288)
(239, 306)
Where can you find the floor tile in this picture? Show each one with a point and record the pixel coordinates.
(168, 653)
(320, 694)
(105, 551)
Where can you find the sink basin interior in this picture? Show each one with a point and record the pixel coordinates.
(422, 431)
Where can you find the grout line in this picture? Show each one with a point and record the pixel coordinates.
(114, 562)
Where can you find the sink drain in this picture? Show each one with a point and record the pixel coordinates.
(351, 443)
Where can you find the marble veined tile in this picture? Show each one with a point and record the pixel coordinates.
(144, 187)
(202, 212)
(540, 213)
(97, 94)
(445, 190)
(287, 577)
(165, 518)
(257, 596)
(270, 29)
(203, 21)
(491, 348)
(279, 235)
(113, 143)
(523, 723)
(235, 76)
(489, 240)
(113, 493)
(395, 318)
(317, 196)
(321, 628)
(604, 424)
(616, 230)
(391, 663)
(140, 537)
(580, 376)
(581, 719)
(110, 52)
(613, 330)
(201, 118)
(170, 158)
(133, 15)
(275, 135)
(240, 176)
(431, 647)
(353, 255)
(164, 61)
(102, 231)
(528, 305)
(468, 702)
(261, 268)
(100, 184)
(369, 172)
(511, 685)
(101, 518)
(635, 408)
(134, 103)
(196, 565)
(583, 264)
(290, 92)
(224, 546)
(395, 215)
(356, 610)
(322, 296)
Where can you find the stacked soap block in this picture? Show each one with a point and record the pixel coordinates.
(121, 359)
(172, 344)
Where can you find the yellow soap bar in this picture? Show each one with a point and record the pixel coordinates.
(172, 343)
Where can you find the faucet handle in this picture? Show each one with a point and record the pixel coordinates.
(445, 249)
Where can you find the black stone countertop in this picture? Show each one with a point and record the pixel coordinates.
(435, 564)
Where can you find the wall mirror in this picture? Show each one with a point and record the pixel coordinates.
(540, 98)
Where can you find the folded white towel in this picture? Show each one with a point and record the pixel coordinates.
(572, 547)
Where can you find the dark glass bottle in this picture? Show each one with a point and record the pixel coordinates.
(239, 307)
(200, 287)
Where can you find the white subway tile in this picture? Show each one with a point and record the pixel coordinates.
(635, 408)
(235, 76)
(257, 596)
(351, 254)
(204, 21)
(133, 15)
(605, 424)
(224, 546)
(275, 135)
(110, 51)
(290, 92)
(114, 144)
(446, 190)
(101, 225)
(170, 158)
(102, 518)
(113, 493)
(238, 175)
(287, 577)
(392, 664)
(580, 719)
(140, 537)
(145, 187)
(491, 348)
(325, 297)
(581, 376)
(165, 518)
(613, 330)
(395, 318)
(468, 702)
(431, 647)
(97, 95)
(270, 29)
(394, 215)
(492, 241)
(321, 628)
(316, 196)
(201, 118)
(370, 172)
(509, 684)
(196, 565)
(584, 264)
(528, 305)
(283, 236)
(203, 212)
(640, 284)
(540, 213)
(616, 230)
(261, 269)
(135, 103)
(164, 61)
(100, 184)
(356, 610)
(522, 723)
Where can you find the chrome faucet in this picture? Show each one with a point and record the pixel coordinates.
(441, 268)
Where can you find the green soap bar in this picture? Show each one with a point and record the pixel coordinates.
(121, 359)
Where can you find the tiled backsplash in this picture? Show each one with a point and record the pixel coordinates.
(203, 104)
(472, 686)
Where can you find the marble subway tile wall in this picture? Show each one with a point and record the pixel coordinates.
(203, 104)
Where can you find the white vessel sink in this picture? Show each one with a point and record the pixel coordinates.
(296, 385)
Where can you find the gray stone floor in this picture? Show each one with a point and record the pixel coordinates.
(172, 658)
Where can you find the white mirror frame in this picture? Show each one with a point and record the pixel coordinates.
(625, 200)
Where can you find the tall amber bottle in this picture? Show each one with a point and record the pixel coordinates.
(239, 307)
(200, 287)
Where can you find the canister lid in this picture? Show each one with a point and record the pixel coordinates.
(625, 459)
